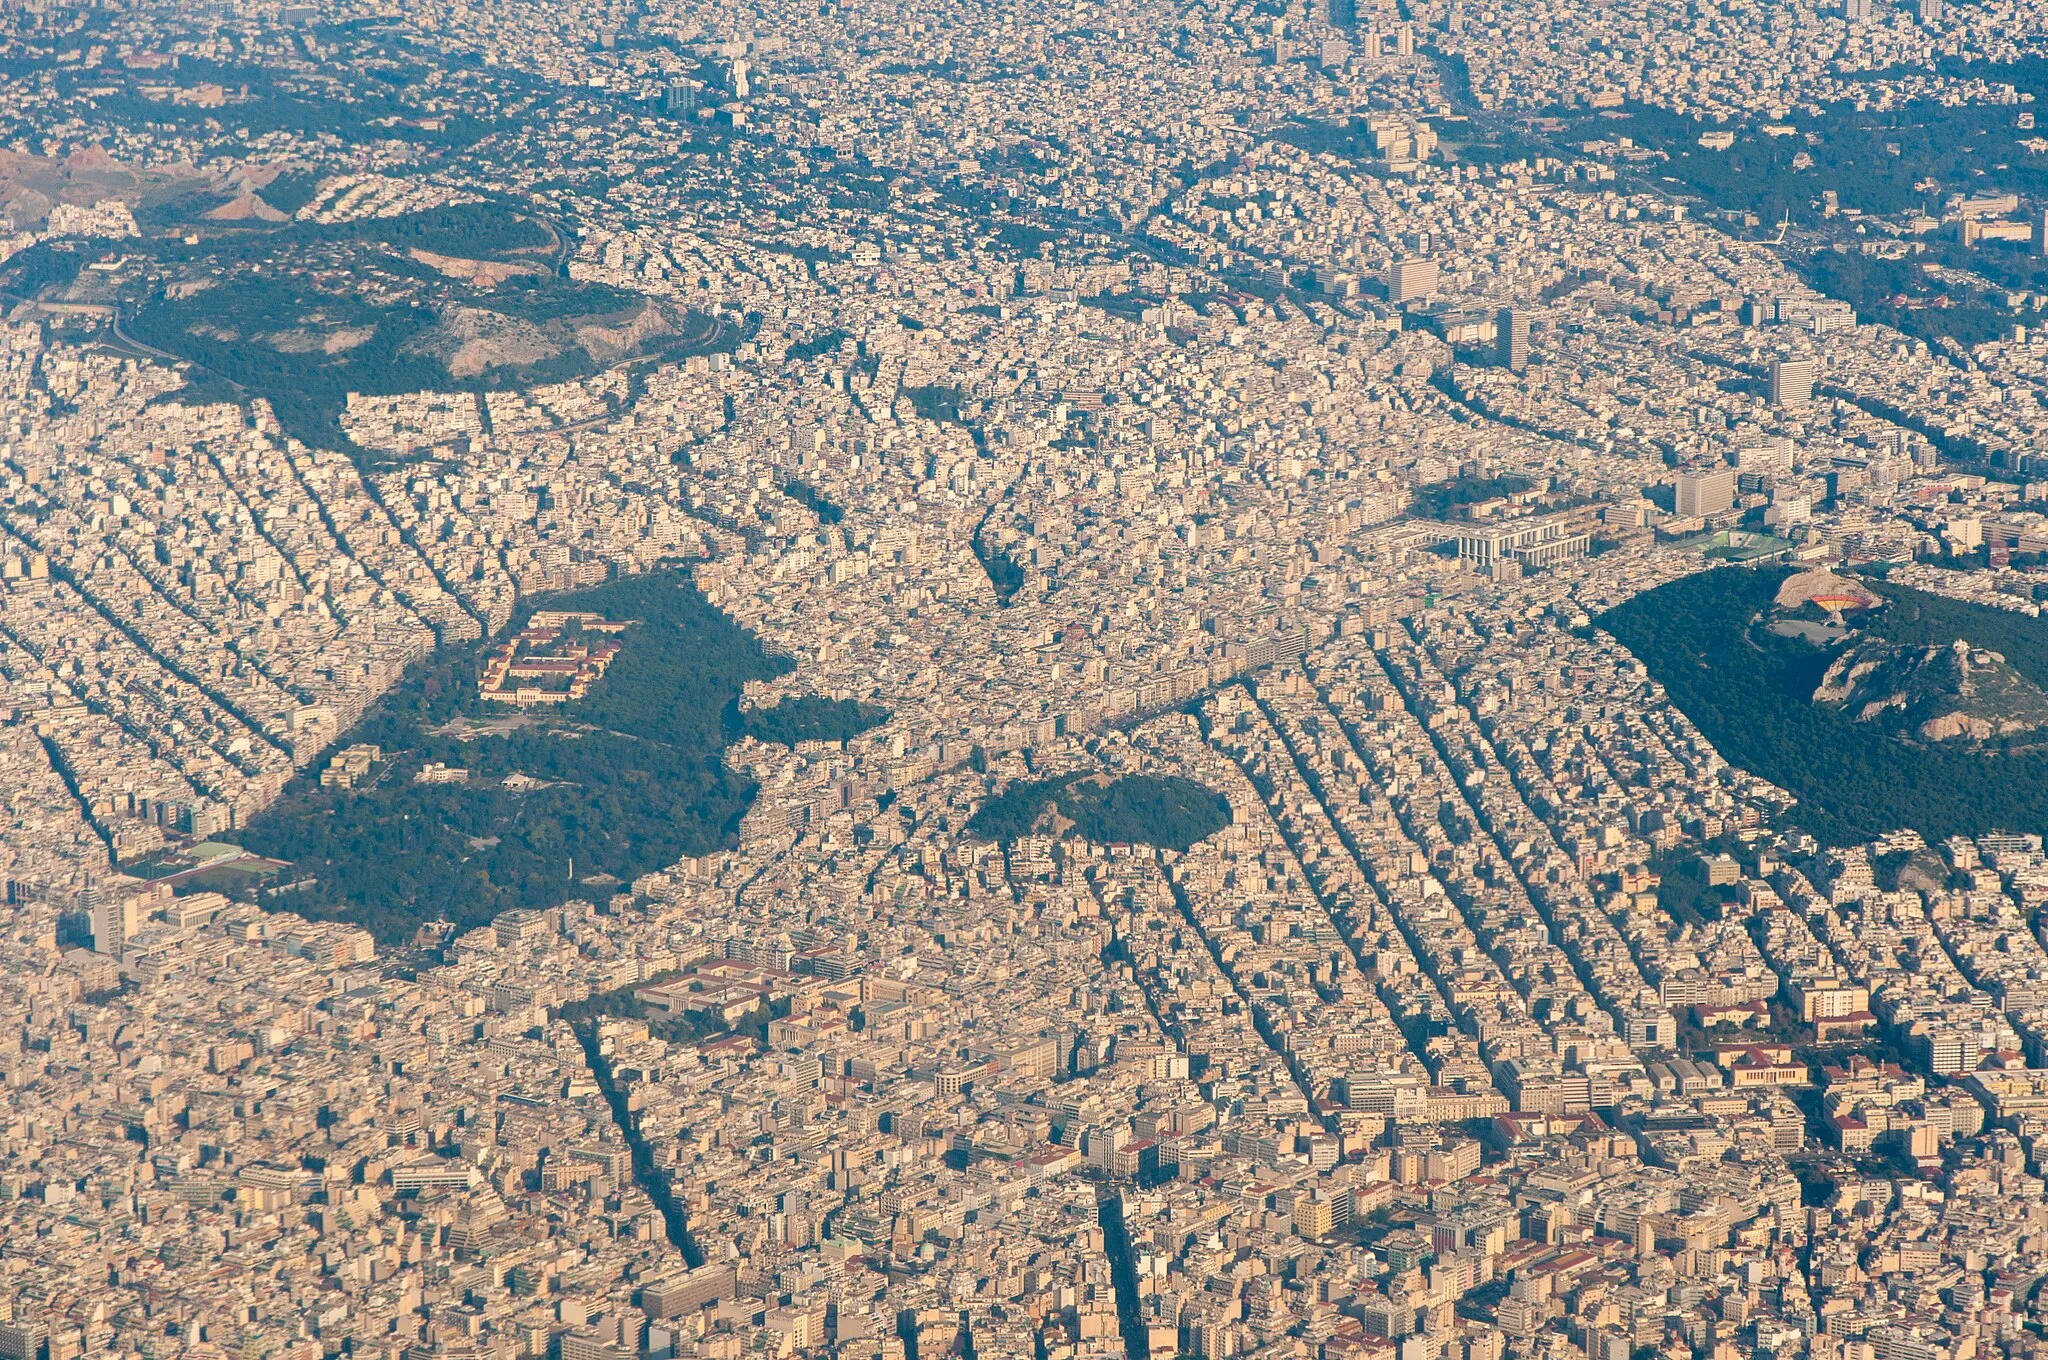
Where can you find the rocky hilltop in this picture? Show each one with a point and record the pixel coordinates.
(1957, 693)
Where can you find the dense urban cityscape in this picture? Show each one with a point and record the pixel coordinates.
(1305, 679)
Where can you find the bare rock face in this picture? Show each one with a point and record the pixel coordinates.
(1956, 726)
(609, 338)
(1957, 694)
(470, 341)
(246, 208)
(473, 340)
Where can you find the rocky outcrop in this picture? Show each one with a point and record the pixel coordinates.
(1956, 694)
(246, 208)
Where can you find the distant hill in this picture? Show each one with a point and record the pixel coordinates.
(302, 313)
(1751, 693)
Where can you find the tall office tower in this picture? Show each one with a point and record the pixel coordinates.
(25, 1339)
(115, 920)
(1512, 335)
(1705, 493)
(1929, 11)
(1792, 383)
(1408, 279)
(2041, 230)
